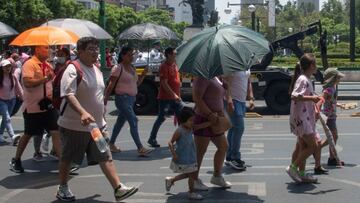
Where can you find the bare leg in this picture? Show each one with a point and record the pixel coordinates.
(37, 143)
(24, 140)
(64, 167)
(55, 136)
(201, 146)
(109, 170)
(335, 137)
(295, 152)
(191, 181)
(221, 144)
(308, 145)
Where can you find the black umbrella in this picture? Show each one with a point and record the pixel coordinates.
(147, 31)
(6, 30)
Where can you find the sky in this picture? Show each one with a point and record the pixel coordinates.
(220, 5)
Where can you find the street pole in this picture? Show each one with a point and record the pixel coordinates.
(352, 30)
(102, 24)
(253, 21)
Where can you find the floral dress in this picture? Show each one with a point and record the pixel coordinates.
(302, 113)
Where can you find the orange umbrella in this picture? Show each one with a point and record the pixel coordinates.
(45, 36)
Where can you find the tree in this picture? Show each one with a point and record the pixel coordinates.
(24, 14)
(333, 9)
(64, 8)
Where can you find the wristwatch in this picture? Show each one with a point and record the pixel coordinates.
(252, 98)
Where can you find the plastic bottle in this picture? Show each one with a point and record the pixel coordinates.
(98, 138)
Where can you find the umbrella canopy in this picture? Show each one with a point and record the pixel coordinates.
(148, 31)
(6, 30)
(221, 50)
(83, 28)
(45, 36)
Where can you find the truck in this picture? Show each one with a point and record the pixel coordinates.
(269, 83)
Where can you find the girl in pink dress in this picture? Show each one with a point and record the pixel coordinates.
(302, 118)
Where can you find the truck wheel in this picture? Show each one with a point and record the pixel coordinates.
(277, 98)
(146, 101)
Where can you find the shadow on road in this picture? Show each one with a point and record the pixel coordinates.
(132, 155)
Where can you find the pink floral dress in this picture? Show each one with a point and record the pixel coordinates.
(302, 113)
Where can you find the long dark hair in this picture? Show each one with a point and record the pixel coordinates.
(2, 77)
(303, 65)
(124, 51)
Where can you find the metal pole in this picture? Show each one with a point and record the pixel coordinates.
(352, 30)
(253, 21)
(102, 24)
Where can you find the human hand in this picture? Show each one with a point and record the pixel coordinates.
(230, 107)
(86, 119)
(175, 157)
(251, 104)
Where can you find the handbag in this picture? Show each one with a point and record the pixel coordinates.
(222, 125)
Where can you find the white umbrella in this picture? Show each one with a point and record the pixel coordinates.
(6, 30)
(148, 31)
(83, 28)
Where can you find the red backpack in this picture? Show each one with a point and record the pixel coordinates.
(57, 84)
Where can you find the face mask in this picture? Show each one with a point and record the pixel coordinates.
(61, 60)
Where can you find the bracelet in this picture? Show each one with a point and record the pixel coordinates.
(252, 98)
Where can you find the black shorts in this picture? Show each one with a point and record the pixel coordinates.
(37, 123)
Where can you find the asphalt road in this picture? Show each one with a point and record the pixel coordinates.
(266, 149)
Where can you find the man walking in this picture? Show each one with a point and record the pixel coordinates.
(84, 104)
(239, 88)
(39, 114)
(169, 92)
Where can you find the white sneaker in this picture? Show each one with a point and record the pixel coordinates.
(307, 178)
(195, 196)
(45, 142)
(64, 194)
(220, 181)
(168, 183)
(199, 185)
(123, 192)
(293, 173)
(15, 139)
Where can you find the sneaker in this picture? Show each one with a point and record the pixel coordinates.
(45, 142)
(153, 143)
(293, 173)
(168, 183)
(333, 162)
(114, 148)
(220, 181)
(320, 170)
(122, 192)
(238, 165)
(64, 193)
(227, 162)
(307, 178)
(195, 196)
(199, 185)
(38, 157)
(16, 166)
(144, 151)
(73, 168)
(15, 139)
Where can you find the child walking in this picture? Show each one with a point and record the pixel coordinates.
(331, 79)
(183, 152)
(302, 118)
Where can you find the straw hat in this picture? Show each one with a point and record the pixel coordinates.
(330, 76)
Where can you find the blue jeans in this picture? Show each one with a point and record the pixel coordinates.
(125, 105)
(6, 107)
(164, 107)
(236, 132)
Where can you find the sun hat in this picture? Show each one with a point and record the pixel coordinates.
(4, 63)
(330, 76)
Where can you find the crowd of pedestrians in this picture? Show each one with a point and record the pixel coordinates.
(220, 107)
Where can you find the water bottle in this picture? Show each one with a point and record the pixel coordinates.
(98, 138)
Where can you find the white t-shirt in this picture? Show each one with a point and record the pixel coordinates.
(89, 93)
(239, 85)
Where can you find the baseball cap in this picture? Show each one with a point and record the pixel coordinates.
(4, 63)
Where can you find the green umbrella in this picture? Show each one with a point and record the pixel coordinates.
(221, 50)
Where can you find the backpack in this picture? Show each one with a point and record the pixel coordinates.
(57, 99)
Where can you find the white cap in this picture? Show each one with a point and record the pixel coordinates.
(4, 63)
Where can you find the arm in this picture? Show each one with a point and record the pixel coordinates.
(109, 88)
(34, 82)
(174, 138)
(85, 117)
(201, 126)
(230, 104)
(201, 105)
(165, 85)
(313, 98)
(250, 95)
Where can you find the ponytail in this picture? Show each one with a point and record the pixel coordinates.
(296, 75)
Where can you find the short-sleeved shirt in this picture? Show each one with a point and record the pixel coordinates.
(302, 113)
(33, 68)
(127, 83)
(329, 107)
(6, 92)
(212, 93)
(89, 93)
(239, 85)
(170, 73)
